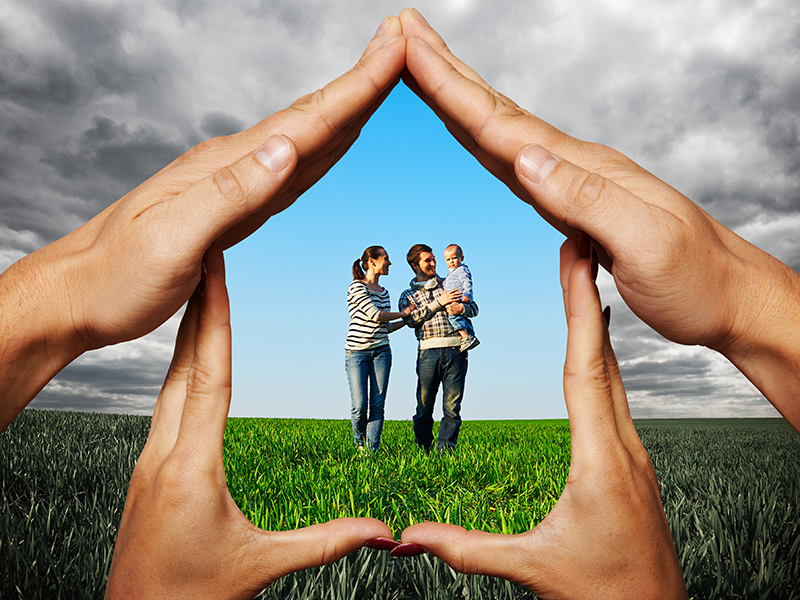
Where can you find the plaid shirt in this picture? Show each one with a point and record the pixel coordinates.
(429, 320)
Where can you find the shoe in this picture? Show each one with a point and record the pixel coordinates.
(362, 450)
(468, 343)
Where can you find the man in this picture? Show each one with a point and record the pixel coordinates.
(439, 359)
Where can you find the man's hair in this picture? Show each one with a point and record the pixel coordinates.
(459, 253)
(413, 254)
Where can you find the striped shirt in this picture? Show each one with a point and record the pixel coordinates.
(365, 305)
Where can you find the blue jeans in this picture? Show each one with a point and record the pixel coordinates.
(460, 322)
(368, 376)
(448, 367)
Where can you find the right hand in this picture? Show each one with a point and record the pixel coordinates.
(677, 268)
(607, 536)
(448, 297)
(680, 271)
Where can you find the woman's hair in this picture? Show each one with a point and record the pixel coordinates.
(362, 264)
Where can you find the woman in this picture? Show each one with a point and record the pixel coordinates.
(368, 357)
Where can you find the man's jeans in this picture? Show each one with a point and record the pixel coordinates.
(368, 376)
(447, 366)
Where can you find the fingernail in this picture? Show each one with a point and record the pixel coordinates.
(275, 154)
(201, 285)
(381, 543)
(408, 550)
(607, 315)
(382, 27)
(391, 40)
(595, 264)
(583, 244)
(536, 163)
(420, 18)
(423, 42)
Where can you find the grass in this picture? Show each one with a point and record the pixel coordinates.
(730, 488)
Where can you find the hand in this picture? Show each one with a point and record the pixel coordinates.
(131, 267)
(607, 536)
(448, 297)
(683, 273)
(181, 534)
(455, 309)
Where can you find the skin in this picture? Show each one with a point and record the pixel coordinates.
(607, 536)
(452, 257)
(425, 269)
(679, 270)
(130, 268)
(377, 267)
(181, 534)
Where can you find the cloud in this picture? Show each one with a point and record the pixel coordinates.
(95, 96)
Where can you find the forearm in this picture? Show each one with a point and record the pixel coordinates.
(390, 316)
(418, 316)
(765, 338)
(35, 338)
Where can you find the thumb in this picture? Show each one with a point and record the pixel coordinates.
(587, 201)
(237, 191)
(475, 552)
(279, 553)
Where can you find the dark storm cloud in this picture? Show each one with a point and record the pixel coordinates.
(105, 94)
(215, 124)
(112, 149)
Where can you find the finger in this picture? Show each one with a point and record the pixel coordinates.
(229, 195)
(278, 553)
(313, 120)
(169, 406)
(569, 255)
(208, 386)
(587, 384)
(474, 552)
(494, 122)
(589, 202)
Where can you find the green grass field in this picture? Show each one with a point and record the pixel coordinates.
(731, 490)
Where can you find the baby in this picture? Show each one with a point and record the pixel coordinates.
(460, 279)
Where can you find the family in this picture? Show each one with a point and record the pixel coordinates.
(160, 247)
(440, 312)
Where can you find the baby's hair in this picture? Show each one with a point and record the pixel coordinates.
(361, 265)
(458, 250)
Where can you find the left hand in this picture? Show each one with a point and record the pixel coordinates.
(607, 536)
(182, 535)
(455, 309)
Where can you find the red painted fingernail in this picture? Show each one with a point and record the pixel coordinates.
(408, 550)
(607, 315)
(381, 543)
(595, 264)
(583, 244)
(201, 286)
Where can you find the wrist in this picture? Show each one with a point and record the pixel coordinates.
(36, 331)
(763, 341)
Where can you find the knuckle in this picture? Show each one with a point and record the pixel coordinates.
(229, 187)
(587, 191)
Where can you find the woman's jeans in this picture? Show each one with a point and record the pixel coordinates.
(368, 376)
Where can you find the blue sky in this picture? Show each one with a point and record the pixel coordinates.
(405, 181)
(96, 96)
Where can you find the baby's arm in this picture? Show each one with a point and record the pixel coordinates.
(466, 284)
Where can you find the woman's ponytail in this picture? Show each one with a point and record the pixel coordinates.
(358, 272)
(362, 264)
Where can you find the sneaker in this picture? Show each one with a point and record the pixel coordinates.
(468, 343)
(362, 450)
